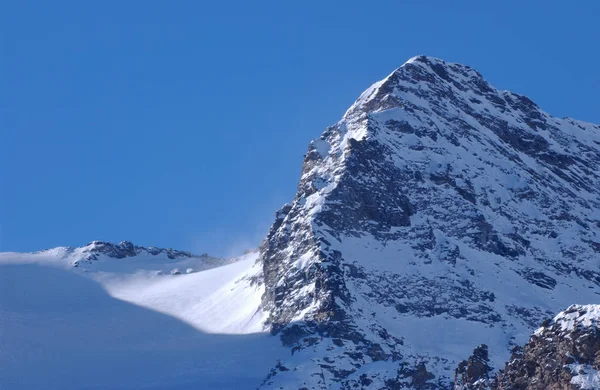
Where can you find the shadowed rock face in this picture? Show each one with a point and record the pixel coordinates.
(474, 372)
(563, 354)
(438, 206)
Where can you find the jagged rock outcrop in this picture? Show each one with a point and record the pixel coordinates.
(167, 260)
(125, 249)
(440, 213)
(563, 354)
(473, 373)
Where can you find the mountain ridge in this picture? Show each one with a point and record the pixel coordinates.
(119, 249)
(430, 171)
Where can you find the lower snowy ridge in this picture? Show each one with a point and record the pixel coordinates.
(128, 323)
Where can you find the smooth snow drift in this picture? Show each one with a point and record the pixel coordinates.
(129, 327)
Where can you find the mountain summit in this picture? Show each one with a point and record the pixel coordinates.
(435, 227)
(439, 214)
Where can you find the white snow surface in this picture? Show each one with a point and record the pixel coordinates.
(576, 316)
(585, 376)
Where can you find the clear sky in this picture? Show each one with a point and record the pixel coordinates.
(183, 123)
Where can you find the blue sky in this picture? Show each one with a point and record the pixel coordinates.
(183, 124)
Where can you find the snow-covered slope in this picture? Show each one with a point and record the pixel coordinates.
(439, 214)
(125, 322)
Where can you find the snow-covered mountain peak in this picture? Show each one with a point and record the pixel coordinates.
(436, 202)
(446, 70)
(439, 218)
(420, 72)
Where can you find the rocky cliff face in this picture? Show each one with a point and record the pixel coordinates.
(473, 374)
(437, 215)
(563, 354)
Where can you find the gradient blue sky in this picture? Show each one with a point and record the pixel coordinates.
(183, 124)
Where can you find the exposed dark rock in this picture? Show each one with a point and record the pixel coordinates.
(539, 278)
(473, 373)
(563, 354)
(126, 249)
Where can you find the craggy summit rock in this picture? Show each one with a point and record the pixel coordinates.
(438, 214)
